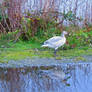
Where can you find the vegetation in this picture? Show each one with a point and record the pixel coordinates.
(21, 35)
(19, 54)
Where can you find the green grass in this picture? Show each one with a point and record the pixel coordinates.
(20, 45)
(22, 50)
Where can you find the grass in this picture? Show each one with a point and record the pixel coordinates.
(22, 50)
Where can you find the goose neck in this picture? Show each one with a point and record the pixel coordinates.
(62, 35)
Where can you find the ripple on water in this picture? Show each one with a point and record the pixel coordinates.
(54, 77)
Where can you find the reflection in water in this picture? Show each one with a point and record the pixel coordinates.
(61, 78)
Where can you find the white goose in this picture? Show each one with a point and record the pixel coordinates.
(55, 42)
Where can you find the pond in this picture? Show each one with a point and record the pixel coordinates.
(65, 77)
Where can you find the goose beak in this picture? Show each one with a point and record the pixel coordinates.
(64, 32)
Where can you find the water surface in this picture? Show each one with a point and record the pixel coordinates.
(65, 77)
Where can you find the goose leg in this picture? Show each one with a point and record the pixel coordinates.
(55, 51)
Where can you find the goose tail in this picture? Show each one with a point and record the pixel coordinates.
(44, 46)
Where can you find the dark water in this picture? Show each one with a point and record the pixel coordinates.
(58, 78)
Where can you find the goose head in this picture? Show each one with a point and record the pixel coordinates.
(64, 33)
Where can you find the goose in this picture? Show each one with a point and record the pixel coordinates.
(55, 42)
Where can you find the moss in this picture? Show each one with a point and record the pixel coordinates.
(80, 58)
(19, 54)
(58, 58)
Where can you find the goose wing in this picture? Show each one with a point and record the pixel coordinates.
(53, 40)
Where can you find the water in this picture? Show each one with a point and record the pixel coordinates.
(64, 77)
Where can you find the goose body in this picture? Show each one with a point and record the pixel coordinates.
(56, 41)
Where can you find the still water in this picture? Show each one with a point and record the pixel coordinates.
(56, 78)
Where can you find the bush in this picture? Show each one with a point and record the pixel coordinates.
(79, 38)
(36, 26)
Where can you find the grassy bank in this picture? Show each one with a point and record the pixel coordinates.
(23, 50)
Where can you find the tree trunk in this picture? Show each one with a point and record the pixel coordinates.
(14, 12)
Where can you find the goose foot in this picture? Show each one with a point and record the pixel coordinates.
(55, 52)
